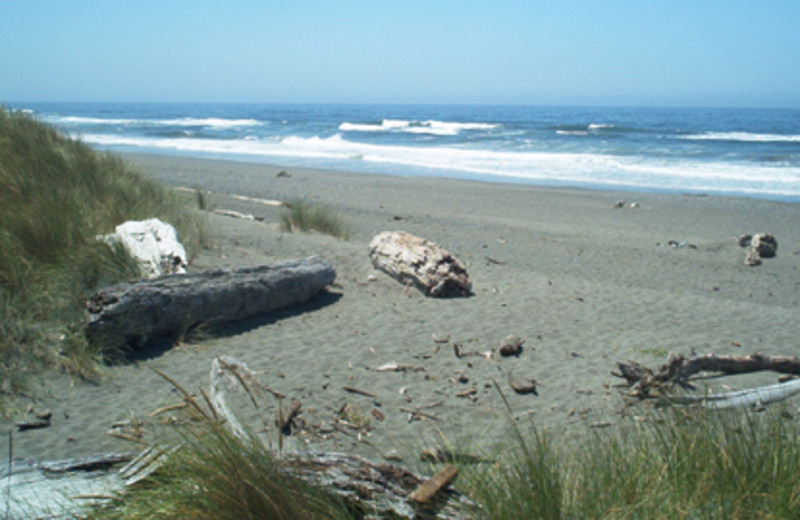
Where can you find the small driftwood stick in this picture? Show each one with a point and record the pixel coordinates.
(33, 425)
(399, 367)
(428, 489)
(461, 354)
(359, 392)
(417, 413)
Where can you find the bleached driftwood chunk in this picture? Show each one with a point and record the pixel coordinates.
(411, 259)
(153, 244)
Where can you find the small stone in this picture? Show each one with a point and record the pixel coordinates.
(393, 455)
(765, 244)
(511, 346)
(752, 258)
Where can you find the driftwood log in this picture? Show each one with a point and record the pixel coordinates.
(756, 397)
(414, 260)
(58, 489)
(170, 304)
(678, 370)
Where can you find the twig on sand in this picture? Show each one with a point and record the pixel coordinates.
(460, 354)
(360, 392)
(416, 414)
(399, 367)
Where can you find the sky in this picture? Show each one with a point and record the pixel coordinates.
(732, 53)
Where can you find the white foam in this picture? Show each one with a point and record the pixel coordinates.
(77, 120)
(212, 122)
(743, 136)
(415, 127)
(565, 168)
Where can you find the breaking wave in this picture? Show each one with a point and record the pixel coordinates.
(415, 127)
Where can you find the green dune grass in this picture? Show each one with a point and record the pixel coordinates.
(56, 195)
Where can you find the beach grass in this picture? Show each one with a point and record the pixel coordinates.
(56, 195)
(676, 464)
(309, 216)
(217, 473)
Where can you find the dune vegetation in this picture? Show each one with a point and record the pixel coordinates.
(56, 195)
(310, 216)
(680, 463)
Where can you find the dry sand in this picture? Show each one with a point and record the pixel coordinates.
(584, 284)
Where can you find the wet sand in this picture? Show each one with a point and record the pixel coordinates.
(584, 284)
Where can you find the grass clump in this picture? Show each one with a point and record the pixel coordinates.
(307, 216)
(56, 195)
(217, 474)
(680, 464)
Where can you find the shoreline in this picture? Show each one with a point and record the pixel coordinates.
(495, 180)
(584, 284)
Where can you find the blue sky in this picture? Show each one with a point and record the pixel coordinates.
(566, 52)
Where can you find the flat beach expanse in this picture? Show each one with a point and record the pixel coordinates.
(584, 284)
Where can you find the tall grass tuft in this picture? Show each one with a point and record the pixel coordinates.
(525, 481)
(56, 196)
(307, 216)
(216, 474)
(679, 464)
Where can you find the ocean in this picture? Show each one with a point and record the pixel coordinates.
(741, 152)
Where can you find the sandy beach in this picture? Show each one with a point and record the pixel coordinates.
(584, 284)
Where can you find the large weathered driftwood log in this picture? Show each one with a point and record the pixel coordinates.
(414, 260)
(169, 304)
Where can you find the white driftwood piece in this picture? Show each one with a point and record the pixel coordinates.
(227, 375)
(762, 395)
(153, 243)
(169, 304)
(414, 260)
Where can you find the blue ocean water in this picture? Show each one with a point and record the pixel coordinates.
(747, 152)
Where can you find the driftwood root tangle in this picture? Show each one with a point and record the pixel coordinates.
(678, 370)
(170, 304)
(414, 260)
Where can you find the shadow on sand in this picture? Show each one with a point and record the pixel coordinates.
(154, 347)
